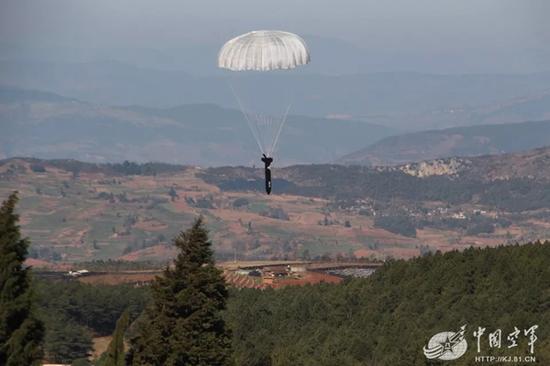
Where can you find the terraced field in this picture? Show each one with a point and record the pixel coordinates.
(100, 215)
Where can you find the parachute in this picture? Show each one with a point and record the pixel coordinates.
(263, 51)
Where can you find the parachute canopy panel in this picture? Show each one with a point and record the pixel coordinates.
(264, 50)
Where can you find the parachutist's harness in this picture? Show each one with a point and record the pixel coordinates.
(267, 162)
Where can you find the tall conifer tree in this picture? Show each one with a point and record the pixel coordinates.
(115, 351)
(184, 325)
(21, 333)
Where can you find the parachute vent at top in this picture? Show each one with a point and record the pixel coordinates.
(264, 50)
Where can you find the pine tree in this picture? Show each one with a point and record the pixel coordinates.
(21, 332)
(184, 326)
(115, 351)
(65, 339)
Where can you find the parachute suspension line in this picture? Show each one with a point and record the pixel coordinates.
(247, 116)
(261, 122)
(263, 126)
(281, 125)
(270, 131)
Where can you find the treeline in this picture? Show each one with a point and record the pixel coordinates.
(76, 167)
(406, 225)
(114, 265)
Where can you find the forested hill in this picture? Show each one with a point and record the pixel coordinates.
(516, 182)
(388, 318)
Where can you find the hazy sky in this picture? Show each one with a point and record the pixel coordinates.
(448, 35)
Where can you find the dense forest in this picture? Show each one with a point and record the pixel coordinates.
(383, 320)
(74, 312)
(388, 318)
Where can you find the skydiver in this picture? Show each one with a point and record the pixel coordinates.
(267, 162)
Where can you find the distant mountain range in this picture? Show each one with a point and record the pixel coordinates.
(47, 125)
(462, 141)
(405, 100)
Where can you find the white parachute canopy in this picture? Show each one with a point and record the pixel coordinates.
(264, 51)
